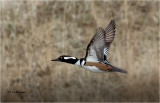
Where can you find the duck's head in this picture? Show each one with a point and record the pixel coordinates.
(66, 59)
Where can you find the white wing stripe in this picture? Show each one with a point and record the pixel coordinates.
(106, 51)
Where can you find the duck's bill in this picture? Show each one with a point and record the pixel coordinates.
(55, 60)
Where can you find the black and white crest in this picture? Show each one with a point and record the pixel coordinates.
(68, 59)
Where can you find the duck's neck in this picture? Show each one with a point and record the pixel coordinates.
(80, 62)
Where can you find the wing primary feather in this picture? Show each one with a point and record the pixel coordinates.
(110, 33)
(101, 40)
(96, 46)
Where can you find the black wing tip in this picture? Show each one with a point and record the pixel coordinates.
(113, 22)
(111, 26)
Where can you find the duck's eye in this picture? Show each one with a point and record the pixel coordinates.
(60, 57)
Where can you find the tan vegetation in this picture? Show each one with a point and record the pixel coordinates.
(35, 32)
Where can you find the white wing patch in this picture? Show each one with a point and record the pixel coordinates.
(106, 51)
(69, 58)
(92, 57)
(96, 46)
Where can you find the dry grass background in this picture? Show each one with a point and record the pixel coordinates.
(35, 32)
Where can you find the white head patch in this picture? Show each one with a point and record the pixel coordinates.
(69, 58)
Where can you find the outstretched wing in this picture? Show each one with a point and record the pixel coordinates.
(95, 49)
(109, 36)
(98, 47)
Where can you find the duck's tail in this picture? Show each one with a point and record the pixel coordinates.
(115, 69)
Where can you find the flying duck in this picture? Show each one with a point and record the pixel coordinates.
(95, 59)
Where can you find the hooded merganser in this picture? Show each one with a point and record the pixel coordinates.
(96, 54)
